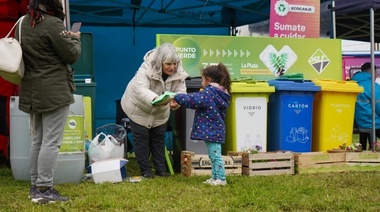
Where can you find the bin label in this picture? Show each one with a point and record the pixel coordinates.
(73, 135)
(297, 122)
(251, 123)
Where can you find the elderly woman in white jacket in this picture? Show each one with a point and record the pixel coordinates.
(161, 71)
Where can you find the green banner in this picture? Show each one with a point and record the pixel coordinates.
(259, 58)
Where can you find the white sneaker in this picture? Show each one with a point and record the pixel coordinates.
(209, 181)
(218, 182)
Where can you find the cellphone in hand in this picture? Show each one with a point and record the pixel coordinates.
(76, 27)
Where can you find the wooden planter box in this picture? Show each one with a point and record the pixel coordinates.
(365, 158)
(268, 163)
(319, 162)
(197, 164)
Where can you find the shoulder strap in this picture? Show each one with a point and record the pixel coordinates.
(19, 29)
(18, 21)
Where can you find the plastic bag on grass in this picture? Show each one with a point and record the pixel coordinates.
(115, 130)
(107, 144)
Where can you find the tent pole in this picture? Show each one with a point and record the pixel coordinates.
(333, 18)
(373, 100)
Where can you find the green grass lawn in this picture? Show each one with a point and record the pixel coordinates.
(332, 191)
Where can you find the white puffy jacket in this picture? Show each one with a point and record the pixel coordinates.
(144, 87)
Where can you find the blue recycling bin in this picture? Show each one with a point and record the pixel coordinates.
(290, 113)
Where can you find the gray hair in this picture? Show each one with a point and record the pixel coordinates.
(166, 53)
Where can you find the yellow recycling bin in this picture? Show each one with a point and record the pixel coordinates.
(246, 118)
(333, 116)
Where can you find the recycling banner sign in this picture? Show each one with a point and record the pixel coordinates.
(259, 58)
(294, 18)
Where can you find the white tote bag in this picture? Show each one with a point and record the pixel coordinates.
(11, 63)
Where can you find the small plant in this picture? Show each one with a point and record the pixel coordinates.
(254, 150)
(376, 146)
(355, 147)
(343, 146)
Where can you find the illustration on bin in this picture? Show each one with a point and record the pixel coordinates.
(246, 117)
(333, 116)
(290, 113)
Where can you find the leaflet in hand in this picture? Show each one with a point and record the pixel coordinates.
(164, 98)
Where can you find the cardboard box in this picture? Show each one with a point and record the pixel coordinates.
(110, 170)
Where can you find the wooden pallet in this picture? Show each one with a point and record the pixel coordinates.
(197, 164)
(268, 163)
(319, 162)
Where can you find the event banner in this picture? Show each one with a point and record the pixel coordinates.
(352, 64)
(259, 58)
(294, 18)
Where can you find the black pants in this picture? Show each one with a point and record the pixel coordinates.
(364, 137)
(149, 141)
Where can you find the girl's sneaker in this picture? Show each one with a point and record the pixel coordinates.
(209, 181)
(218, 182)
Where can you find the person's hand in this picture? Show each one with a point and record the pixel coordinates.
(75, 34)
(155, 99)
(174, 105)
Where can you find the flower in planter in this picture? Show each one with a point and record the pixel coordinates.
(254, 150)
(258, 148)
(355, 147)
(376, 146)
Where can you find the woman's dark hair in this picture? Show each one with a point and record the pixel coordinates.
(366, 67)
(218, 74)
(37, 8)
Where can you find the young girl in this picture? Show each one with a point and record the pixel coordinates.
(210, 106)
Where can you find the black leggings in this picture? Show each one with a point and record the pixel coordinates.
(364, 137)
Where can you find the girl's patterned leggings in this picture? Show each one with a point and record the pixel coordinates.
(217, 162)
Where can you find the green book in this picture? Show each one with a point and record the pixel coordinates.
(164, 98)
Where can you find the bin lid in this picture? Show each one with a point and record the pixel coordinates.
(251, 87)
(194, 82)
(294, 85)
(338, 85)
(82, 78)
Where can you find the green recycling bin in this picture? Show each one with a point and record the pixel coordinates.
(84, 74)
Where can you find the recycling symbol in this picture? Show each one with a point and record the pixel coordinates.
(281, 7)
